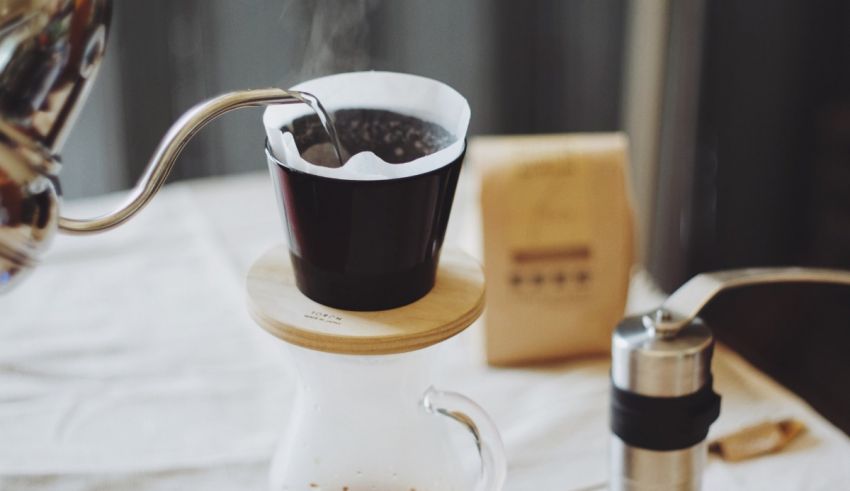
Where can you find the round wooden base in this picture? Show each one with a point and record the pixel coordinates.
(280, 308)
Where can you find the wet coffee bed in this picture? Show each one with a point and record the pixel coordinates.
(396, 138)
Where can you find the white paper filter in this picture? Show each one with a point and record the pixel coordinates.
(411, 95)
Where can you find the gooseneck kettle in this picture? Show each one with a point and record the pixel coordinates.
(50, 51)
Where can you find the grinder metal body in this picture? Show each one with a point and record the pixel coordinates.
(662, 396)
(662, 404)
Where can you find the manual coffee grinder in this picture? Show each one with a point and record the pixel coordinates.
(662, 396)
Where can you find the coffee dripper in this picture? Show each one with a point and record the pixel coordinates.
(50, 51)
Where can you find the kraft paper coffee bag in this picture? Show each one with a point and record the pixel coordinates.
(558, 243)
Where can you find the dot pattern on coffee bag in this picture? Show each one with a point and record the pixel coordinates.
(395, 138)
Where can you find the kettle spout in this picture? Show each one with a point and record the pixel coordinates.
(170, 147)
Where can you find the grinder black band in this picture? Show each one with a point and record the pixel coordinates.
(663, 423)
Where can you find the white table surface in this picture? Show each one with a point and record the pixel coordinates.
(128, 362)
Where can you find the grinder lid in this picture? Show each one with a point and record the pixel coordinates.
(651, 363)
(277, 305)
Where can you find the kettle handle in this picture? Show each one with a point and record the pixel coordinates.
(468, 413)
(685, 304)
(170, 147)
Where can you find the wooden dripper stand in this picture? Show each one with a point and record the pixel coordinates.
(277, 305)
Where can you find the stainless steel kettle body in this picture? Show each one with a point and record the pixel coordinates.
(50, 51)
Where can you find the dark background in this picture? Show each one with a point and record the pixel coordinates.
(767, 183)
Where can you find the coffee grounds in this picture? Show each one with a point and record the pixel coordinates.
(395, 138)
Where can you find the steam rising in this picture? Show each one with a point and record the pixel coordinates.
(337, 36)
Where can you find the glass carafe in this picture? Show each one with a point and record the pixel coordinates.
(374, 423)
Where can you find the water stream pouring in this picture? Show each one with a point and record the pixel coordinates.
(327, 123)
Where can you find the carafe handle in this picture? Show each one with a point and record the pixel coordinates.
(490, 448)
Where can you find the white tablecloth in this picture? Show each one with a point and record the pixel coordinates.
(128, 362)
